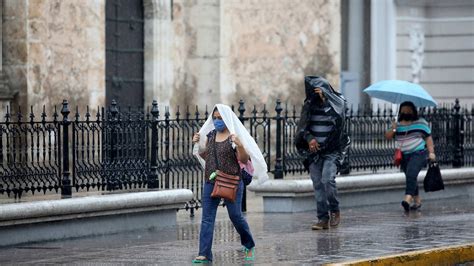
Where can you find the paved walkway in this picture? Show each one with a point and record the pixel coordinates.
(282, 239)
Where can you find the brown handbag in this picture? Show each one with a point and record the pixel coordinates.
(225, 185)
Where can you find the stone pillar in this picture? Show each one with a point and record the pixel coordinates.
(6, 95)
(355, 51)
(185, 67)
(383, 42)
(1, 35)
(204, 61)
(159, 75)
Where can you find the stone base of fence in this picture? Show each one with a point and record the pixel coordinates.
(362, 190)
(86, 216)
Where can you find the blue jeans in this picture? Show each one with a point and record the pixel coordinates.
(209, 210)
(323, 174)
(412, 163)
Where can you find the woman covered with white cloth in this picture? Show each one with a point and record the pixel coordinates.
(223, 140)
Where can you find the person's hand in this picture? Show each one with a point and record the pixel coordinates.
(319, 92)
(394, 125)
(196, 137)
(235, 140)
(432, 156)
(313, 145)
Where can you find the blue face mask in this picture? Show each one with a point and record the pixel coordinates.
(219, 125)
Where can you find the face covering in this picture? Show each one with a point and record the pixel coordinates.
(219, 125)
(407, 117)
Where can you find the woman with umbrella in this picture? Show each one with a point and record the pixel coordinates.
(413, 136)
(411, 133)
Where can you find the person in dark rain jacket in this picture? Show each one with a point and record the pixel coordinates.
(322, 140)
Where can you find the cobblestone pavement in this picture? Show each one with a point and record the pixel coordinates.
(282, 239)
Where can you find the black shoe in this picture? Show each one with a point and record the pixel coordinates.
(406, 206)
(415, 206)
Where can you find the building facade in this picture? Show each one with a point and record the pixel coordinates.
(430, 42)
(179, 52)
(200, 52)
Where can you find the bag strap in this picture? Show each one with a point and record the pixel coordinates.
(215, 151)
(215, 154)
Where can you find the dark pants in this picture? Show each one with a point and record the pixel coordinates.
(412, 163)
(209, 210)
(323, 174)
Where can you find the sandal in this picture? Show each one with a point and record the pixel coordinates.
(415, 206)
(406, 206)
(252, 254)
(201, 260)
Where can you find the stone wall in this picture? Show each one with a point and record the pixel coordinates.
(256, 50)
(269, 46)
(55, 50)
(196, 51)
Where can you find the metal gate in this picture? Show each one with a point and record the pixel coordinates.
(124, 52)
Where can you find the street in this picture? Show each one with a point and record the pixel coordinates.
(365, 232)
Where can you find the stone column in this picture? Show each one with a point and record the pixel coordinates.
(383, 42)
(6, 95)
(159, 75)
(204, 62)
(355, 51)
(1, 35)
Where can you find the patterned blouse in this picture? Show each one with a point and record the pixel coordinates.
(226, 157)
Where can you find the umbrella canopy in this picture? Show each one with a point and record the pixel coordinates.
(398, 91)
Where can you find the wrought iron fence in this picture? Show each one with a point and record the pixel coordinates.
(29, 154)
(129, 149)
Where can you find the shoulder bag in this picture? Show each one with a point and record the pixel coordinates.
(225, 185)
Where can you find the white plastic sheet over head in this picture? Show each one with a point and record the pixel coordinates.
(234, 126)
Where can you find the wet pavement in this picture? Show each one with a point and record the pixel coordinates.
(282, 239)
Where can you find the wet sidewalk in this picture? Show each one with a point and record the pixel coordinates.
(282, 239)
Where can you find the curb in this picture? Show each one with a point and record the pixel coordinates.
(297, 195)
(87, 216)
(448, 255)
(92, 206)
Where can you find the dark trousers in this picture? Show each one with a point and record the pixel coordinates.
(323, 174)
(412, 163)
